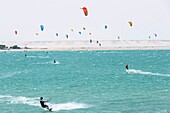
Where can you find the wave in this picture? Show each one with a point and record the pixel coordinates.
(133, 71)
(108, 52)
(35, 102)
(11, 74)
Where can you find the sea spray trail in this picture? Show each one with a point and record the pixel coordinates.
(39, 57)
(35, 102)
(41, 63)
(19, 100)
(133, 71)
(68, 106)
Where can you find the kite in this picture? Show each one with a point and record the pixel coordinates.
(90, 40)
(80, 33)
(130, 23)
(42, 27)
(56, 34)
(85, 11)
(66, 36)
(105, 26)
(16, 32)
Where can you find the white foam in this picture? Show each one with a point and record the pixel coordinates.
(38, 56)
(20, 100)
(32, 56)
(24, 100)
(133, 71)
(68, 106)
(41, 63)
(3, 96)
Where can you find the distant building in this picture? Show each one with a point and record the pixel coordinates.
(15, 47)
(2, 47)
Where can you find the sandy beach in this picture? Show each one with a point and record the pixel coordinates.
(86, 45)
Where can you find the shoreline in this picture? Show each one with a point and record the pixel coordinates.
(90, 49)
(76, 45)
(98, 48)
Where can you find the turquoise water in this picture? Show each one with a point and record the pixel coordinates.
(85, 81)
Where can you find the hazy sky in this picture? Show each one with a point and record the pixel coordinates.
(60, 16)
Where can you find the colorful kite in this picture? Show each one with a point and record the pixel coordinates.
(85, 11)
(130, 23)
(42, 27)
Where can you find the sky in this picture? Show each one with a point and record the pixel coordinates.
(149, 17)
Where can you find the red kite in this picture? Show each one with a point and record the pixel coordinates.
(85, 11)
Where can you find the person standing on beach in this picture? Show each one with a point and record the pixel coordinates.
(42, 102)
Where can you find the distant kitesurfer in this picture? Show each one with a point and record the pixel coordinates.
(42, 102)
(127, 66)
(54, 61)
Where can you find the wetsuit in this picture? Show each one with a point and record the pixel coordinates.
(42, 104)
(127, 67)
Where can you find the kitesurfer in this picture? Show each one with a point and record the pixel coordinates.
(54, 61)
(127, 66)
(42, 102)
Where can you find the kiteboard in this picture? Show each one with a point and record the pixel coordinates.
(50, 109)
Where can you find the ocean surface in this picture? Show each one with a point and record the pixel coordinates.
(85, 81)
